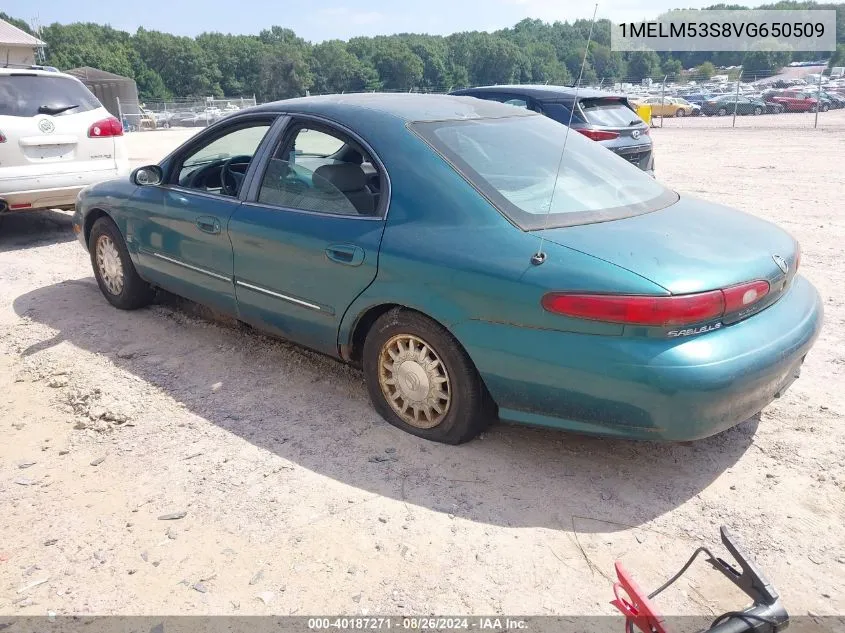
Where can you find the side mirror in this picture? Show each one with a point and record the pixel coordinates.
(147, 175)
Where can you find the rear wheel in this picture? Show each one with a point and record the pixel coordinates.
(680, 112)
(825, 107)
(722, 112)
(422, 381)
(113, 269)
(758, 110)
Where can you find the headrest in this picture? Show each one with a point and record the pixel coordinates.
(343, 176)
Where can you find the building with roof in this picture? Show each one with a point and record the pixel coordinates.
(17, 46)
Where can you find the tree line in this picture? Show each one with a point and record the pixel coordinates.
(278, 64)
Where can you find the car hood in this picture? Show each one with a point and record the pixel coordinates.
(690, 246)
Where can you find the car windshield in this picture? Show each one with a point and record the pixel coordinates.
(520, 165)
(23, 95)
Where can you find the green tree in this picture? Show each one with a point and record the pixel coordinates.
(282, 72)
(609, 65)
(672, 68)
(705, 70)
(335, 69)
(180, 62)
(398, 67)
(642, 64)
(757, 64)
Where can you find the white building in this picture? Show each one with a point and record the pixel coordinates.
(17, 46)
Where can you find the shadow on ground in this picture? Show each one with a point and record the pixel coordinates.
(314, 411)
(29, 229)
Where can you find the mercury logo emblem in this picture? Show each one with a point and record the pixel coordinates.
(781, 262)
(412, 382)
(46, 126)
(635, 134)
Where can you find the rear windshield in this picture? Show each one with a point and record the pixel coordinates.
(520, 165)
(23, 95)
(609, 112)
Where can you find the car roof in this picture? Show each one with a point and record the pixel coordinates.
(544, 92)
(405, 106)
(47, 71)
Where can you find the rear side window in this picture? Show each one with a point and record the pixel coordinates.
(609, 112)
(23, 95)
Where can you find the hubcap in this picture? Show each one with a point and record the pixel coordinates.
(414, 381)
(109, 265)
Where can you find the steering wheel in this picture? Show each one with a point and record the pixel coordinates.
(229, 176)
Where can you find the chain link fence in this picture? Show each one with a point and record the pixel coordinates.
(142, 116)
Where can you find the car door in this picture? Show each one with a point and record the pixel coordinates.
(306, 241)
(180, 226)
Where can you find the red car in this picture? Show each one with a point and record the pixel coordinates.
(794, 101)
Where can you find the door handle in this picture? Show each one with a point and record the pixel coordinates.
(208, 224)
(347, 254)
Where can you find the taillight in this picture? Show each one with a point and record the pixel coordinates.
(599, 135)
(107, 127)
(638, 309)
(656, 311)
(741, 296)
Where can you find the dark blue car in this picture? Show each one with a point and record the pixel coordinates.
(605, 117)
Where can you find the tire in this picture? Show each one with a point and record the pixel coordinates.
(825, 107)
(758, 111)
(722, 112)
(466, 411)
(680, 113)
(115, 274)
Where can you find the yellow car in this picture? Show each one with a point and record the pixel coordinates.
(670, 106)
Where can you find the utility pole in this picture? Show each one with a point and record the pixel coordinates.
(662, 98)
(818, 99)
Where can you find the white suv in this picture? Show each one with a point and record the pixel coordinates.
(55, 138)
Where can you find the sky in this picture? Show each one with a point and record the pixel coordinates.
(334, 19)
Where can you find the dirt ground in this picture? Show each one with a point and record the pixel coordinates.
(296, 498)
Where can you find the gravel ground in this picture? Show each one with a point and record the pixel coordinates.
(159, 462)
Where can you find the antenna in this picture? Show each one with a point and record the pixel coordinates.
(539, 257)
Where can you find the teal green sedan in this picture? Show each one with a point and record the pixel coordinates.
(476, 260)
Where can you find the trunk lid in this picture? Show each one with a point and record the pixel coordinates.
(690, 246)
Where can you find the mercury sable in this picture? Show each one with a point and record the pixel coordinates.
(475, 259)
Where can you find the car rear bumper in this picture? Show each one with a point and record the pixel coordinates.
(640, 155)
(639, 388)
(52, 190)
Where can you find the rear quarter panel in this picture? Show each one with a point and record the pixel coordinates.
(447, 252)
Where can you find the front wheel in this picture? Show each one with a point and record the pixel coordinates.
(825, 107)
(758, 110)
(680, 113)
(421, 381)
(113, 269)
(722, 112)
